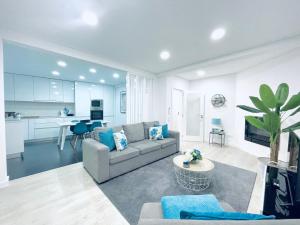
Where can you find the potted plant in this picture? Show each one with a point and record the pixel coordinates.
(193, 156)
(275, 108)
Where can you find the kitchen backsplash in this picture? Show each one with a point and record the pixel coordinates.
(37, 108)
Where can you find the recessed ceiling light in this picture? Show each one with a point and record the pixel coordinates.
(55, 73)
(93, 70)
(165, 55)
(116, 75)
(89, 18)
(61, 63)
(201, 73)
(81, 77)
(102, 81)
(54, 86)
(218, 34)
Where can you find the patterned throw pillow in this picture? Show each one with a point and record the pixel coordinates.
(155, 133)
(120, 140)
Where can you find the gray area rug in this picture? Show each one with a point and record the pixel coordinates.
(149, 183)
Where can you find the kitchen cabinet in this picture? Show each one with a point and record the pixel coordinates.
(56, 91)
(96, 91)
(108, 100)
(68, 91)
(82, 99)
(41, 91)
(14, 138)
(23, 88)
(9, 94)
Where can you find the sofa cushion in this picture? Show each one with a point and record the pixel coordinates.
(106, 138)
(119, 156)
(147, 125)
(95, 133)
(146, 146)
(134, 132)
(166, 142)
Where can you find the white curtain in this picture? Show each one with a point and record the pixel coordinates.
(140, 92)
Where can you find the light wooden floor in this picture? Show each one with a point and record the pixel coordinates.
(63, 196)
(68, 195)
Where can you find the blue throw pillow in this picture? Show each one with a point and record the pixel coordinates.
(222, 216)
(173, 205)
(165, 130)
(107, 138)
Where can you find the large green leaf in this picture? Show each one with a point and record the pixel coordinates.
(259, 104)
(255, 122)
(267, 96)
(293, 127)
(272, 122)
(296, 111)
(282, 94)
(249, 109)
(292, 103)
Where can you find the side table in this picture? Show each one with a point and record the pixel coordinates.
(221, 134)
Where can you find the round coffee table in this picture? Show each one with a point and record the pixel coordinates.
(195, 178)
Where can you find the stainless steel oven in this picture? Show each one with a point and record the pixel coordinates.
(96, 114)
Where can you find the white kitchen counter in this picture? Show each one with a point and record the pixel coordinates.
(14, 137)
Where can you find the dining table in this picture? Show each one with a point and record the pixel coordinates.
(64, 126)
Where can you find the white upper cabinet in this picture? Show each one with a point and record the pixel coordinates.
(96, 91)
(23, 88)
(108, 100)
(56, 90)
(68, 91)
(9, 94)
(82, 99)
(41, 89)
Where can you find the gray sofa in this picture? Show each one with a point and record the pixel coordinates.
(151, 214)
(103, 165)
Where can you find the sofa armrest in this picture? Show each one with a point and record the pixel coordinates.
(96, 159)
(176, 135)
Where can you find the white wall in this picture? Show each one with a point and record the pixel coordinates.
(283, 69)
(224, 85)
(37, 108)
(120, 118)
(237, 88)
(3, 169)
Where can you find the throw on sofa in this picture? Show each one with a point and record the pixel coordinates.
(103, 164)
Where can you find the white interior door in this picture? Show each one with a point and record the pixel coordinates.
(195, 108)
(177, 110)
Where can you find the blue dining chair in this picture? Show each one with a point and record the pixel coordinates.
(94, 125)
(79, 131)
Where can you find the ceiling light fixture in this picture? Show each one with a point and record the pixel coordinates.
(81, 77)
(165, 55)
(89, 18)
(61, 63)
(218, 34)
(55, 73)
(201, 73)
(93, 70)
(116, 75)
(102, 81)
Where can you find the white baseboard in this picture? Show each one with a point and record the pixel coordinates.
(4, 182)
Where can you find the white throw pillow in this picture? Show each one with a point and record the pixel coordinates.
(120, 140)
(155, 133)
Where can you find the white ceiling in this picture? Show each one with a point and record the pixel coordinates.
(134, 32)
(22, 59)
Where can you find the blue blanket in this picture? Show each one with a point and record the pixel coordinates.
(222, 216)
(173, 205)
